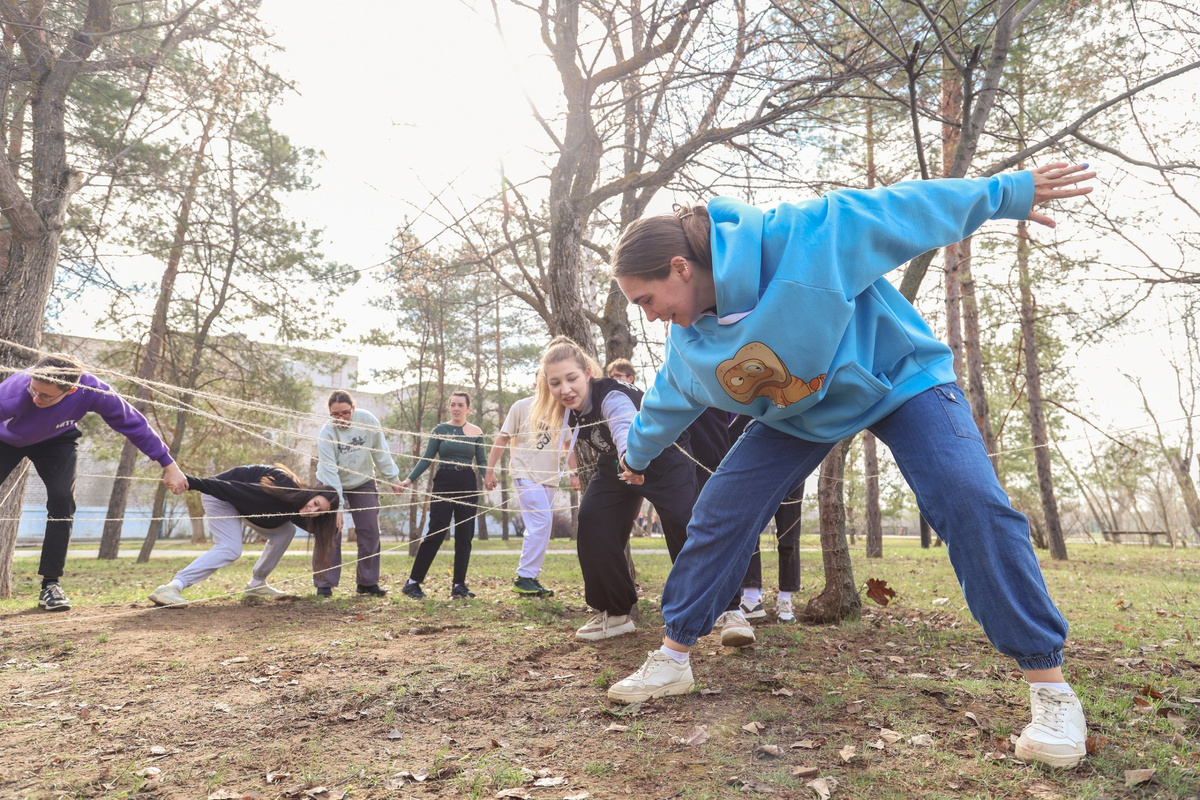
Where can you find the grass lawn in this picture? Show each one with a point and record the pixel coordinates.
(477, 697)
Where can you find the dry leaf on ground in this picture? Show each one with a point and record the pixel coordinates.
(921, 740)
(878, 591)
(848, 752)
(550, 782)
(824, 787)
(520, 794)
(772, 750)
(805, 772)
(889, 736)
(804, 744)
(1136, 777)
(616, 726)
(578, 796)
(753, 727)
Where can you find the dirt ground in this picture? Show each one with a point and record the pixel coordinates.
(492, 697)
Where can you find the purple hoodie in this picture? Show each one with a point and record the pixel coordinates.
(23, 424)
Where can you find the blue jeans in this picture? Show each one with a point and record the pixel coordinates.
(938, 449)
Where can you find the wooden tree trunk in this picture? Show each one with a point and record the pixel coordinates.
(973, 352)
(1037, 419)
(195, 507)
(839, 600)
(874, 517)
(1187, 488)
(110, 539)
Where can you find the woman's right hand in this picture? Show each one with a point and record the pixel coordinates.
(1057, 182)
(405, 485)
(629, 476)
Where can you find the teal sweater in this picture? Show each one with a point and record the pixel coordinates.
(808, 336)
(449, 445)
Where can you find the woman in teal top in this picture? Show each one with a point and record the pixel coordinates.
(457, 447)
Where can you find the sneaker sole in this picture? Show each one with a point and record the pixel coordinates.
(1049, 759)
(756, 615)
(166, 604)
(669, 690)
(620, 630)
(46, 607)
(737, 639)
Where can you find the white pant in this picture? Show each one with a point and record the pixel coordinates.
(537, 510)
(227, 544)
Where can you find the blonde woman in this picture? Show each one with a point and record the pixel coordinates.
(573, 394)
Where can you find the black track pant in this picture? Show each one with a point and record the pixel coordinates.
(456, 496)
(606, 515)
(54, 460)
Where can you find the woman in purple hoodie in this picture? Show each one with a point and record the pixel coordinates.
(39, 411)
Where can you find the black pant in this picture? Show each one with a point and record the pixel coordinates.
(606, 515)
(787, 533)
(455, 495)
(54, 460)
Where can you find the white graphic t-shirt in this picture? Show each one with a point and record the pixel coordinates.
(531, 458)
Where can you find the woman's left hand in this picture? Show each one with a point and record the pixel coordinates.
(629, 476)
(1057, 182)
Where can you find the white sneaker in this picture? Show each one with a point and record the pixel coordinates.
(735, 631)
(1058, 734)
(783, 610)
(606, 626)
(262, 590)
(755, 611)
(660, 676)
(168, 595)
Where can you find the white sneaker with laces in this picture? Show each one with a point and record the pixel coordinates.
(262, 590)
(660, 676)
(783, 610)
(168, 595)
(735, 631)
(755, 611)
(1058, 734)
(606, 626)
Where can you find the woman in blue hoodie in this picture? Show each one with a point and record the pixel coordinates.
(784, 314)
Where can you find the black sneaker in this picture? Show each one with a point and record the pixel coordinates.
(53, 599)
(374, 591)
(324, 591)
(461, 590)
(413, 590)
(531, 588)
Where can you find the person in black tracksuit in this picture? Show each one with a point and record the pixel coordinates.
(598, 412)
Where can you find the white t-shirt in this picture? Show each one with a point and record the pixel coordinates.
(531, 458)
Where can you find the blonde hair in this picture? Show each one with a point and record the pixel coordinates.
(546, 413)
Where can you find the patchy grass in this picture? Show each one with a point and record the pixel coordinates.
(490, 694)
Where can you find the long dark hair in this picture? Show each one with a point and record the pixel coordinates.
(322, 527)
(647, 245)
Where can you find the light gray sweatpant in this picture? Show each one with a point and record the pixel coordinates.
(226, 528)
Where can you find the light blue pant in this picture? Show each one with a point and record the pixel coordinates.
(938, 449)
(537, 512)
(226, 528)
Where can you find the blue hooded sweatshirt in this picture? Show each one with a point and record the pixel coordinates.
(809, 337)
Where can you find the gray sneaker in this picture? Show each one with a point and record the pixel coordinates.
(52, 598)
(735, 631)
(755, 611)
(168, 596)
(263, 590)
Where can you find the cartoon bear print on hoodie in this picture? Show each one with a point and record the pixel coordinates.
(755, 371)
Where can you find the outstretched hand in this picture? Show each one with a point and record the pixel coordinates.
(629, 476)
(1057, 182)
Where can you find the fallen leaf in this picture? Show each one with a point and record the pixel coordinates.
(238, 660)
(158, 750)
(1151, 692)
(941, 601)
(772, 750)
(1128, 662)
(895, 659)
(631, 710)
(1095, 744)
(395, 734)
(276, 777)
(225, 794)
(994, 756)
(1043, 791)
(578, 796)
(848, 752)
(754, 786)
(921, 740)
(149, 772)
(889, 736)
(971, 716)
(785, 692)
(804, 744)
(518, 793)
(753, 727)
(710, 691)
(805, 772)
(222, 707)
(1136, 777)
(876, 745)
(878, 591)
(543, 782)
(617, 727)
(824, 787)
(697, 735)
(853, 708)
